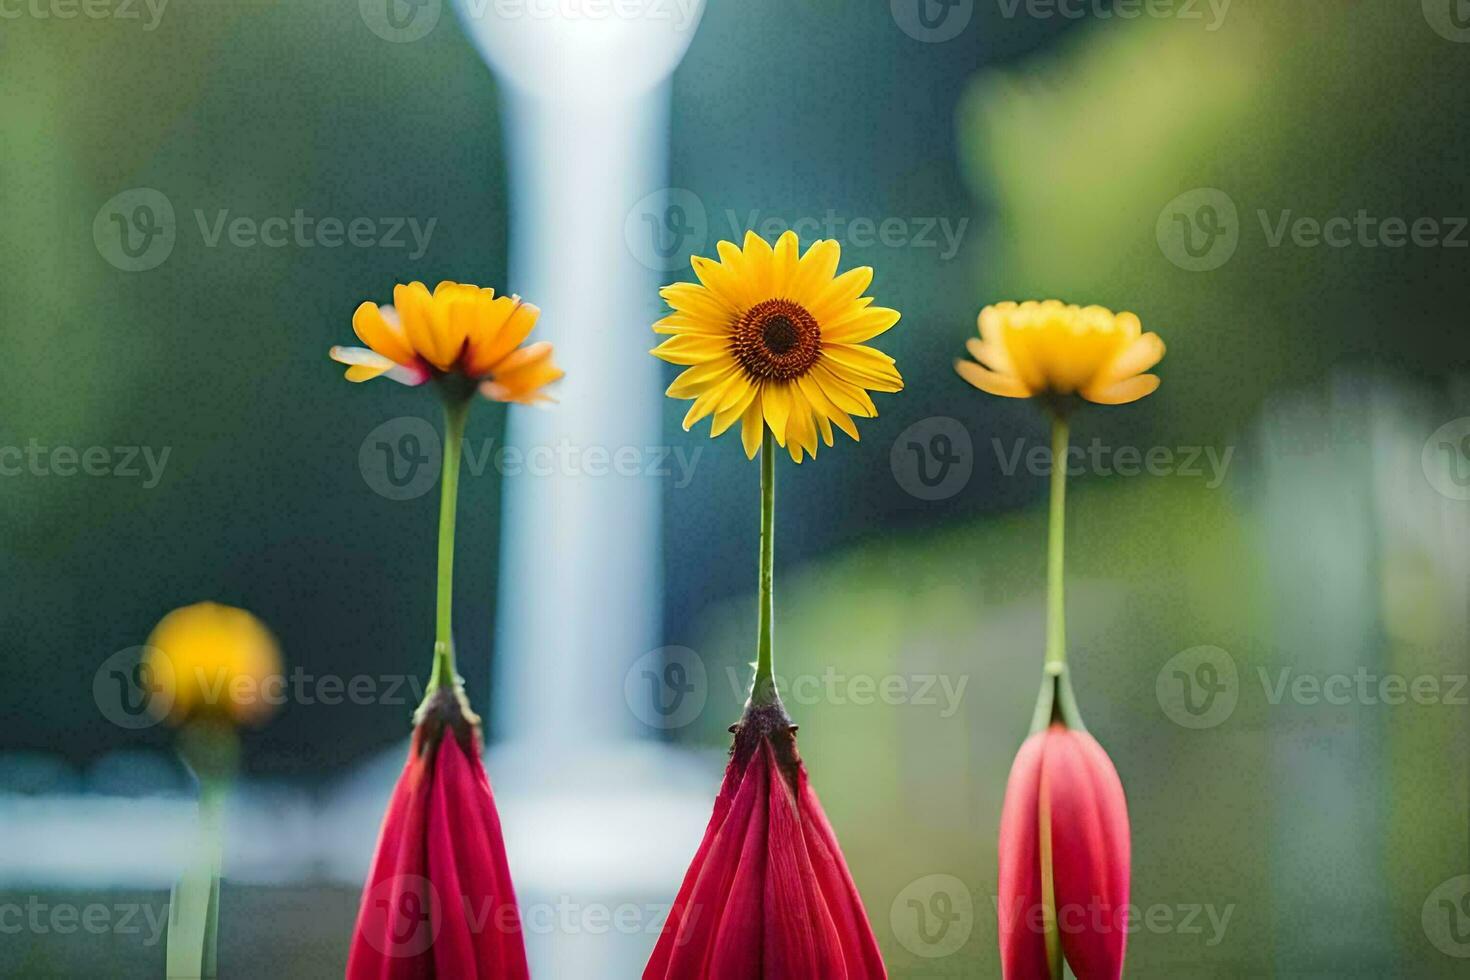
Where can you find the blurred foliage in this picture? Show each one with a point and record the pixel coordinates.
(219, 354)
(1319, 109)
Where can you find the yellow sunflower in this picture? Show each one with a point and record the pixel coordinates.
(457, 329)
(774, 339)
(1050, 349)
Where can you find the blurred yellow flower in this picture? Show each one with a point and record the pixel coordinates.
(209, 659)
(773, 338)
(1040, 349)
(457, 329)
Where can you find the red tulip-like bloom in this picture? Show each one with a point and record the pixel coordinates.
(438, 904)
(1064, 860)
(768, 896)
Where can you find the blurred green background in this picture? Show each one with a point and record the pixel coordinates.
(1065, 151)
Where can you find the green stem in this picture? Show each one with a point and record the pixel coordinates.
(763, 691)
(1056, 624)
(456, 411)
(1056, 701)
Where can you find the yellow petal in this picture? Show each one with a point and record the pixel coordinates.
(987, 380)
(697, 301)
(871, 368)
(727, 414)
(859, 325)
(814, 271)
(783, 263)
(693, 381)
(1128, 390)
(506, 322)
(751, 427)
(776, 404)
(841, 292)
(382, 334)
(691, 349)
(363, 364)
(1143, 353)
(758, 264)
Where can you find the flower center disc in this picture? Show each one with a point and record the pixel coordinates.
(776, 340)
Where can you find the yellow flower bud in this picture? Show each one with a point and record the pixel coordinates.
(213, 661)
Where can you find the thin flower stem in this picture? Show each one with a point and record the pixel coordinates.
(456, 411)
(1056, 624)
(764, 690)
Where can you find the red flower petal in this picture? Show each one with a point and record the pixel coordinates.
(1022, 936)
(1090, 853)
(768, 895)
(1063, 784)
(439, 901)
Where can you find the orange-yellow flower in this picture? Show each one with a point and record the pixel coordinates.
(1035, 349)
(774, 338)
(457, 329)
(209, 659)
